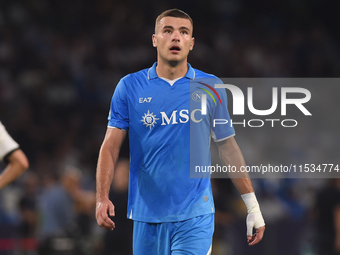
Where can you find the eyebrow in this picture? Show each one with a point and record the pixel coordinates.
(171, 27)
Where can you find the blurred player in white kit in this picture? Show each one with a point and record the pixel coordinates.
(14, 158)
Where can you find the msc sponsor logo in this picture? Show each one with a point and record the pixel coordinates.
(176, 117)
(149, 119)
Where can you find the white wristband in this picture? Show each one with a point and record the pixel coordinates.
(251, 202)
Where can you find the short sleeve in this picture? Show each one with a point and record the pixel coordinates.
(119, 112)
(7, 144)
(221, 129)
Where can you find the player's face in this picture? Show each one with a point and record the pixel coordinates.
(173, 39)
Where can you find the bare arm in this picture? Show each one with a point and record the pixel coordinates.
(337, 228)
(18, 163)
(108, 157)
(230, 154)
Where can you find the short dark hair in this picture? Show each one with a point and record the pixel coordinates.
(176, 13)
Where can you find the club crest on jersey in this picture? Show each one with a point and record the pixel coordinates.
(149, 119)
(197, 95)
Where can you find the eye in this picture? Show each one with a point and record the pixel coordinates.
(167, 31)
(184, 32)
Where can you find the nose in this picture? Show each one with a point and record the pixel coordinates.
(175, 37)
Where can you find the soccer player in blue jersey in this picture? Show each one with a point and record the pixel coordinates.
(169, 133)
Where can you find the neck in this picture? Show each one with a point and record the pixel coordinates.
(171, 70)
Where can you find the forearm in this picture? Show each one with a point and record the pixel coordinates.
(230, 154)
(108, 157)
(107, 160)
(17, 164)
(105, 170)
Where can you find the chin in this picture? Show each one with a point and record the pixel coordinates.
(173, 63)
(175, 60)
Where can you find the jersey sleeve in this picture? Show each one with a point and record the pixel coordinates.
(119, 112)
(223, 128)
(7, 144)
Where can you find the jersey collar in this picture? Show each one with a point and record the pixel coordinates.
(152, 74)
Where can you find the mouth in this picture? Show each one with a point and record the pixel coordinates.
(175, 49)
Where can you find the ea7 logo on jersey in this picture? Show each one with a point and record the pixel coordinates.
(144, 100)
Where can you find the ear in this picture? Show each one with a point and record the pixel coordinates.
(154, 41)
(192, 43)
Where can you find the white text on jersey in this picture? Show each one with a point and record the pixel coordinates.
(183, 117)
(145, 99)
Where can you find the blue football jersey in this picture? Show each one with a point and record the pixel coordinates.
(169, 135)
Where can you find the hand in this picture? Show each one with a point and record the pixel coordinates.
(104, 208)
(255, 220)
(257, 237)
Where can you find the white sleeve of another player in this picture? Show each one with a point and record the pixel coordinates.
(7, 144)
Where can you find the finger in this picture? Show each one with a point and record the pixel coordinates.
(103, 220)
(257, 237)
(106, 222)
(250, 226)
(260, 232)
(250, 221)
(111, 210)
(252, 239)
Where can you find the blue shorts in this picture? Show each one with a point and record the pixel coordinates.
(189, 237)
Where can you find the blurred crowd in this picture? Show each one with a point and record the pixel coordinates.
(59, 64)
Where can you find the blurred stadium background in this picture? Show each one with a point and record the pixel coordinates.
(59, 64)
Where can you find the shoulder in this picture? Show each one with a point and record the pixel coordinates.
(201, 74)
(207, 79)
(133, 81)
(129, 81)
(140, 75)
